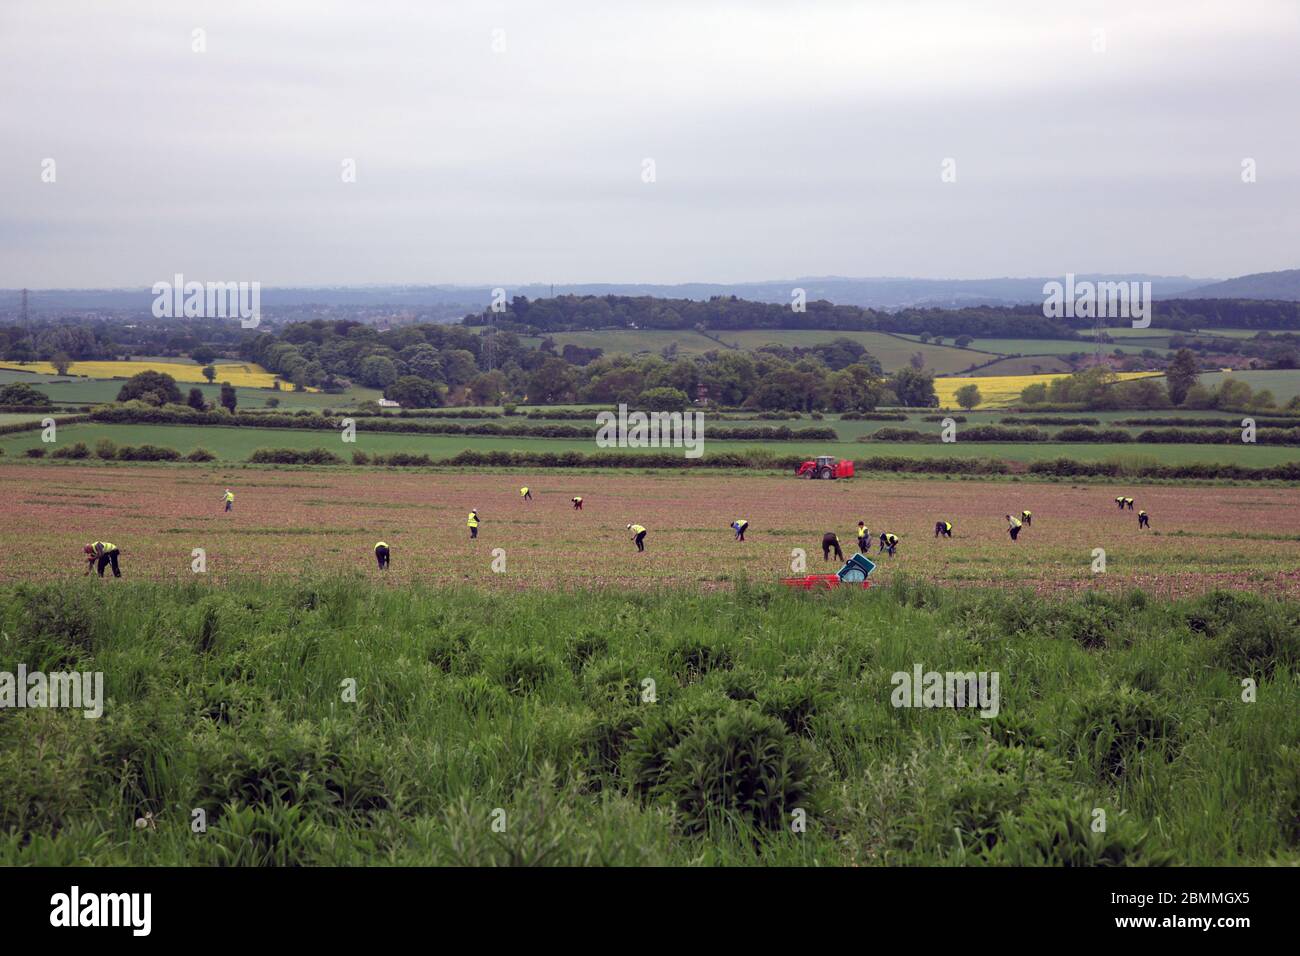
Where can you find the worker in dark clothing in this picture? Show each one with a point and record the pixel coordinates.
(864, 538)
(1128, 503)
(943, 528)
(382, 555)
(105, 554)
(577, 502)
(1013, 527)
(831, 541)
(1143, 520)
(638, 535)
(739, 526)
(1027, 518)
(473, 523)
(526, 493)
(229, 499)
(1120, 502)
(888, 542)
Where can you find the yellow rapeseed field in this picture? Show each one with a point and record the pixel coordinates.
(245, 374)
(1001, 390)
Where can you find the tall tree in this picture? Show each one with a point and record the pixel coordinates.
(1181, 375)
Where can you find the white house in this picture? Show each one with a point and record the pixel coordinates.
(389, 403)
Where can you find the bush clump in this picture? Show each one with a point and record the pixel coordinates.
(1052, 831)
(1114, 727)
(740, 766)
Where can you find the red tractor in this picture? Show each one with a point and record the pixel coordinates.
(825, 467)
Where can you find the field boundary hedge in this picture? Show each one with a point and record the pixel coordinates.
(37, 425)
(137, 416)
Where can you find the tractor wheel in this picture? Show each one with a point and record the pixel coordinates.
(825, 473)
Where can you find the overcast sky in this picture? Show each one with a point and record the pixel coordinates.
(505, 142)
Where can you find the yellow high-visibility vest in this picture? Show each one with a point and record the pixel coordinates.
(864, 532)
(103, 547)
(947, 526)
(637, 529)
(381, 544)
(891, 539)
(473, 520)
(523, 491)
(1015, 523)
(229, 496)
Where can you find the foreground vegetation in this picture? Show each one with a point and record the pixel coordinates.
(530, 710)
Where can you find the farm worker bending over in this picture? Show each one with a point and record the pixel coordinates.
(1013, 527)
(105, 554)
(638, 535)
(1120, 501)
(864, 538)
(831, 540)
(1128, 503)
(1143, 520)
(577, 502)
(381, 555)
(739, 526)
(525, 493)
(943, 528)
(1027, 517)
(888, 542)
(229, 499)
(473, 523)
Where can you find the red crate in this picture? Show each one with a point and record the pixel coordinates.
(811, 582)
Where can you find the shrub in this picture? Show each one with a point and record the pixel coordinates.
(200, 454)
(37, 452)
(63, 619)
(1113, 727)
(294, 456)
(105, 449)
(692, 659)
(645, 761)
(147, 453)
(583, 648)
(523, 671)
(897, 434)
(794, 702)
(739, 766)
(77, 450)
(1258, 642)
(1052, 831)
(1285, 790)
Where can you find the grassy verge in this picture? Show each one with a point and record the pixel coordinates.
(531, 710)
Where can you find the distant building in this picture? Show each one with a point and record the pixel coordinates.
(389, 403)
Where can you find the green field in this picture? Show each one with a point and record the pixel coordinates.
(345, 721)
(1063, 347)
(1025, 365)
(236, 444)
(1283, 383)
(83, 391)
(893, 351)
(632, 342)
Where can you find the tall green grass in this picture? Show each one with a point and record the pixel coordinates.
(529, 711)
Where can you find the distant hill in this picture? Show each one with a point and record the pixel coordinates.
(451, 301)
(1284, 285)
